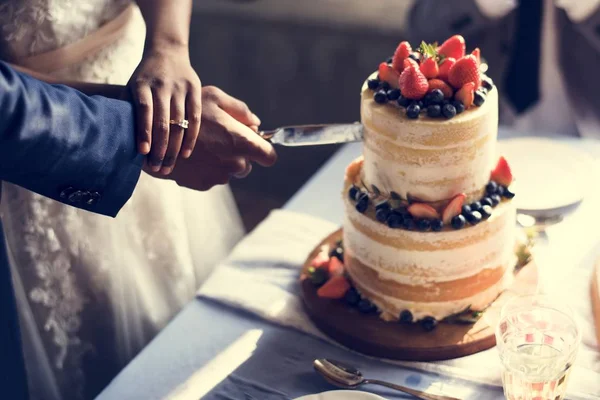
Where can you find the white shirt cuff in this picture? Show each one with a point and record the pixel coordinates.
(578, 10)
(494, 9)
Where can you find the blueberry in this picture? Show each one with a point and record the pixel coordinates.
(406, 317)
(491, 187)
(352, 297)
(500, 190)
(483, 90)
(415, 57)
(423, 225)
(318, 276)
(337, 252)
(446, 101)
(458, 222)
(394, 220)
(352, 192)
(437, 96)
(403, 101)
(393, 94)
(460, 107)
(413, 111)
(479, 98)
(496, 199)
(380, 97)
(373, 84)
(434, 111)
(507, 193)
(466, 209)
(365, 306)
(381, 205)
(408, 223)
(486, 201)
(476, 206)
(487, 82)
(420, 104)
(449, 111)
(486, 212)
(428, 323)
(362, 204)
(382, 214)
(389, 60)
(385, 86)
(437, 225)
(474, 217)
(359, 194)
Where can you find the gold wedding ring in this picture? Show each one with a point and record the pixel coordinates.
(184, 123)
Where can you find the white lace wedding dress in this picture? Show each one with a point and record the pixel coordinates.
(93, 290)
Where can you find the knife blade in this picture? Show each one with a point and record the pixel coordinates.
(311, 135)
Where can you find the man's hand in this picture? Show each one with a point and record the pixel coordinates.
(226, 145)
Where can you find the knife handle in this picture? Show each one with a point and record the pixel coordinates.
(267, 135)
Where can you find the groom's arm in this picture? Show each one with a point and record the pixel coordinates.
(59, 143)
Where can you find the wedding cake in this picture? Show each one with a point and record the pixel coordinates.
(429, 228)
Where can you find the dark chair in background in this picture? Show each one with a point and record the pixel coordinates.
(293, 62)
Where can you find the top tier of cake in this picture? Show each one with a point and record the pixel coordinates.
(427, 158)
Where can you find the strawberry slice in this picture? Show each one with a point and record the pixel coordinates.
(335, 288)
(413, 83)
(402, 52)
(454, 47)
(321, 260)
(453, 208)
(388, 74)
(445, 68)
(466, 94)
(502, 173)
(463, 71)
(336, 267)
(443, 86)
(353, 169)
(420, 210)
(477, 54)
(429, 68)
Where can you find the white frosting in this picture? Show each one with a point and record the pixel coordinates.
(432, 266)
(442, 309)
(431, 159)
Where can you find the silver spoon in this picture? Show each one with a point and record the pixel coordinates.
(348, 377)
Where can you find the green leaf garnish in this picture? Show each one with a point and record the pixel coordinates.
(395, 196)
(376, 190)
(429, 50)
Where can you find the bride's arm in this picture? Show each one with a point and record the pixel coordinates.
(90, 89)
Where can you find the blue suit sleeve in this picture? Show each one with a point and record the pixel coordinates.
(62, 144)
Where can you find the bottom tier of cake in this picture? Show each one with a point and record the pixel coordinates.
(429, 274)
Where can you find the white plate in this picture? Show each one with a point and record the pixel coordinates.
(548, 174)
(341, 395)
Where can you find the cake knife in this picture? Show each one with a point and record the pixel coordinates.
(310, 135)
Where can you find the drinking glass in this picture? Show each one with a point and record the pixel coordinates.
(537, 339)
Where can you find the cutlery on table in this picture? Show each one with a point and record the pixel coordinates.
(310, 135)
(348, 377)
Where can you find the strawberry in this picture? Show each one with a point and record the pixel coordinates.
(334, 288)
(401, 53)
(463, 71)
(443, 86)
(353, 169)
(445, 67)
(466, 94)
(388, 74)
(454, 47)
(429, 68)
(453, 208)
(420, 210)
(408, 62)
(477, 54)
(321, 260)
(502, 173)
(413, 83)
(335, 267)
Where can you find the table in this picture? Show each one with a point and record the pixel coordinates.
(238, 356)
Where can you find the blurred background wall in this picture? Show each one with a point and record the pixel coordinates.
(293, 62)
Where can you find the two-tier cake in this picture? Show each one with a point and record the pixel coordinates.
(429, 229)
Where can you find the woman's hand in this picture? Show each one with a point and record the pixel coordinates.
(227, 145)
(165, 87)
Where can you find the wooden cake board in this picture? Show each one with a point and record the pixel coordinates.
(370, 335)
